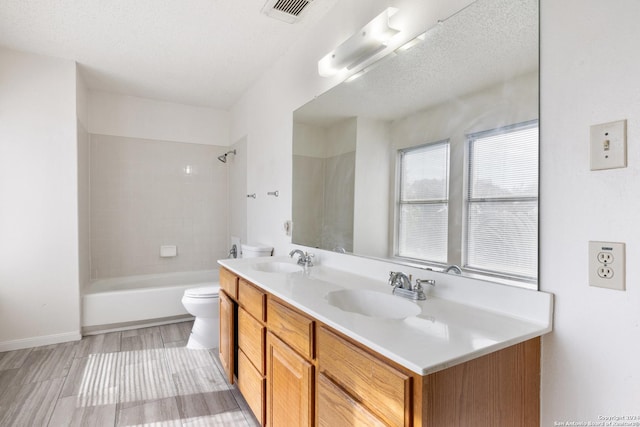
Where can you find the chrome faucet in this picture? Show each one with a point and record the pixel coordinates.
(402, 286)
(304, 259)
(453, 268)
(398, 279)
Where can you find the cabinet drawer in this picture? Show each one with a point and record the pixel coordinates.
(384, 390)
(229, 283)
(251, 336)
(252, 386)
(252, 299)
(337, 409)
(291, 327)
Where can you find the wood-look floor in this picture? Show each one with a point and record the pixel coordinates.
(142, 377)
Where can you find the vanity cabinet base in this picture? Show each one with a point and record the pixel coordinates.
(307, 373)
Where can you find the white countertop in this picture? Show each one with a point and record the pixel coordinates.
(445, 333)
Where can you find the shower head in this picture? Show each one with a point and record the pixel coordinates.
(223, 158)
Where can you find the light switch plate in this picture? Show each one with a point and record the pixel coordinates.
(607, 265)
(608, 145)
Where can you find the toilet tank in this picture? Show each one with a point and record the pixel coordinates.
(255, 250)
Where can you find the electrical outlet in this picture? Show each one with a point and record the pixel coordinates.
(605, 272)
(608, 145)
(607, 265)
(605, 257)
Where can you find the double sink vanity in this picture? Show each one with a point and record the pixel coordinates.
(323, 346)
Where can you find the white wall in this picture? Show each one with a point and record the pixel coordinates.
(39, 275)
(590, 67)
(130, 116)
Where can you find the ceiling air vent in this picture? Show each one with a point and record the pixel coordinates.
(286, 10)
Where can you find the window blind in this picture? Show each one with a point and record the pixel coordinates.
(423, 202)
(502, 202)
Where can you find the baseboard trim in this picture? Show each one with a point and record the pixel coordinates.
(39, 341)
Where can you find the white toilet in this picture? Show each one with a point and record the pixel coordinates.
(202, 303)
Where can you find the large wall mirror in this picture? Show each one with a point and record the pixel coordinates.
(430, 158)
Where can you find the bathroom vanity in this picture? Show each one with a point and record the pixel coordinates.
(301, 357)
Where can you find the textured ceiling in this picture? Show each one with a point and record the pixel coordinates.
(199, 52)
(489, 42)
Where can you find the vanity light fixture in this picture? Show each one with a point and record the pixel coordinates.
(371, 66)
(371, 39)
(411, 43)
(408, 45)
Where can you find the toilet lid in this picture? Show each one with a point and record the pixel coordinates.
(203, 292)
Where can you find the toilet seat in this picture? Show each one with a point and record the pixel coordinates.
(203, 292)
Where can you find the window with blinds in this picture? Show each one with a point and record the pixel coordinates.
(422, 209)
(502, 202)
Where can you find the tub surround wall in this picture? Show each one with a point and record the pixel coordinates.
(147, 193)
(325, 164)
(39, 275)
(143, 195)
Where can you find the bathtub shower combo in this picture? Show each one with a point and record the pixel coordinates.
(154, 299)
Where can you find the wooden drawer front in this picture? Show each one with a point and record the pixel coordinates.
(337, 409)
(251, 339)
(384, 390)
(252, 299)
(292, 327)
(252, 386)
(229, 283)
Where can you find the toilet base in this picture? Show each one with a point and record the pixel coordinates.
(205, 334)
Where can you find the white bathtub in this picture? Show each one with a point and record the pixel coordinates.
(122, 301)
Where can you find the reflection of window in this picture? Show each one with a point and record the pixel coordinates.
(423, 201)
(502, 201)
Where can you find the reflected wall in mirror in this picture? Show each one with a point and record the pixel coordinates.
(473, 77)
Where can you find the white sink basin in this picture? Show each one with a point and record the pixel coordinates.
(278, 267)
(373, 304)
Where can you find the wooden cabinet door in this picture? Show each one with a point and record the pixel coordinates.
(227, 341)
(290, 378)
